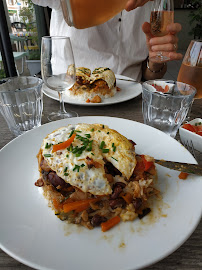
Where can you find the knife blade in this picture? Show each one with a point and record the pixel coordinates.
(128, 80)
(179, 166)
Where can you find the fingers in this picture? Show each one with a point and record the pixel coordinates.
(146, 28)
(169, 47)
(164, 40)
(174, 28)
(132, 4)
(175, 56)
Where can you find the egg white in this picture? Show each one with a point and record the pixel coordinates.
(74, 169)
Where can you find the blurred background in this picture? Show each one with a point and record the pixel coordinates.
(26, 23)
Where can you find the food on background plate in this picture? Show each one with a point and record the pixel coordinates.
(91, 176)
(94, 87)
(183, 175)
(159, 88)
(196, 128)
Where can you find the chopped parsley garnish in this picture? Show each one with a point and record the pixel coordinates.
(90, 146)
(67, 155)
(77, 167)
(92, 154)
(65, 169)
(108, 132)
(78, 131)
(103, 126)
(114, 158)
(102, 145)
(105, 150)
(75, 150)
(47, 155)
(66, 174)
(114, 147)
(72, 132)
(99, 131)
(48, 146)
(70, 148)
(92, 129)
(88, 135)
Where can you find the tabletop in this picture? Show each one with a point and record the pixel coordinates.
(189, 255)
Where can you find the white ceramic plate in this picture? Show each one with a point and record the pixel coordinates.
(31, 233)
(128, 91)
(187, 136)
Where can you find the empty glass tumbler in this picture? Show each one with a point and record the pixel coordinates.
(165, 104)
(21, 103)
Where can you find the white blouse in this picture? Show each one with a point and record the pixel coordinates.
(118, 44)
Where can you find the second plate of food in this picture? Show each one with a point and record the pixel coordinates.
(127, 91)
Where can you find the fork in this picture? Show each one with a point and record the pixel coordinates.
(190, 147)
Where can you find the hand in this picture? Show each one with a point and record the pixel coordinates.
(166, 44)
(132, 4)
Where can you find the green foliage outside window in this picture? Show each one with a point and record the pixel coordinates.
(196, 18)
(2, 74)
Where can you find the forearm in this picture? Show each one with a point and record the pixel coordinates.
(153, 71)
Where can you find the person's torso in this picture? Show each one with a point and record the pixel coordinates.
(118, 44)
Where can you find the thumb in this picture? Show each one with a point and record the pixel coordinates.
(146, 28)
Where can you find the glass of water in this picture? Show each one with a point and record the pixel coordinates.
(21, 103)
(58, 70)
(165, 104)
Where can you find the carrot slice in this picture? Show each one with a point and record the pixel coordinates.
(105, 226)
(63, 145)
(56, 204)
(82, 204)
(147, 164)
(183, 175)
(127, 197)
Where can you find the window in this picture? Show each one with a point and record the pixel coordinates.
(11, 2)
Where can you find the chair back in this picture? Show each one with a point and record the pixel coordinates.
(20, 42)
(18, 27)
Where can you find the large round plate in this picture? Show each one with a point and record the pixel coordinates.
(31, 233)
(128, 91)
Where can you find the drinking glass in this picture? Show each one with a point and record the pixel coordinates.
(166, 111)
(21, 103)
(191, 69)
(58, 70)
(162, 14)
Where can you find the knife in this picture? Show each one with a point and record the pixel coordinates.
(179, 166)
(128, 80)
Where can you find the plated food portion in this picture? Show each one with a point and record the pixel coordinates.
(93, 88)
(91, 176)
(191, 133)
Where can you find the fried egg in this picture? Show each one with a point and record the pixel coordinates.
(84, 73)
(95, 142)
(105, 74)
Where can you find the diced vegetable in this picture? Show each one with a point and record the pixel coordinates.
(82, 204)
(127, 197)
(189, 127)
(143, 165)
(105, 226)
(183, 175)
(56, 204)
(63, 145)
(197, 128)
(147, 164)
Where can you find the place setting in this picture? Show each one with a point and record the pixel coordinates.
(124, 185)
(131, 233)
